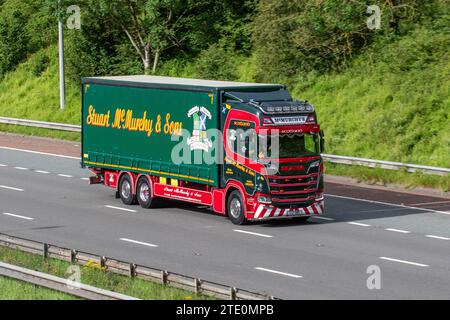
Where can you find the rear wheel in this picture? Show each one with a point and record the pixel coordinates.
(144, 194)
(235, 208)
(126, 190)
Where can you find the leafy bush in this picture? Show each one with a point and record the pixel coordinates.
(39, 64)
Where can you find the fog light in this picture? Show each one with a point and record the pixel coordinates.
(263, 199)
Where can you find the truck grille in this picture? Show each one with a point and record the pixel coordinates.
(293, 191)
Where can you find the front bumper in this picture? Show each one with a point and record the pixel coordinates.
(268, 212)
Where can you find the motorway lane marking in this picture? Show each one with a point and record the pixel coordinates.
(21, 168)
(85, 179)
(359, 224)
(42, 171)
(405, 262)
(398, 230)
(425, 203)
(322, 218)
(12, 188)
(139, 242)
(388, 204)
(437, 237)
(65, 176)
(17, 216)
(41, 153)
(122, 209)
(3, 165)
(253, 233)
(279, 272)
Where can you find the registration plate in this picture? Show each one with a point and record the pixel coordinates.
(293, 212)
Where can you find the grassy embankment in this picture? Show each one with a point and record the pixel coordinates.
(392, 103)
(92, 275)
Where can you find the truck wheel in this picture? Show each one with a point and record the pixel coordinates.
(235, 208)
(144, 194)
(126, 190)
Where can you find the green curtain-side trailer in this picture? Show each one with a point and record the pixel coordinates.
(129, 126)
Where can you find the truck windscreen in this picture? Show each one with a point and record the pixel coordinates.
(290, 146)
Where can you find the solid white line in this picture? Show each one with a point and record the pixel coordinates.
(359, 224)
(41, 153)
(139, 242)
(11, 188)
(397, 230)
(405, 262)
(17, 216)
(388, 204)
(20, 168)
(425, 203)
(279, 272)
(437, 237)
(122, 209)
(41, 171)
(65, 176)
(322, 218)
(253, 233)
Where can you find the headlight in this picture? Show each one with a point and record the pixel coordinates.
(264, 199)
(315, 164)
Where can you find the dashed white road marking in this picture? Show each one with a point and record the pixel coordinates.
(437, 237)
(388, 204)
(398, 230)
(359, 224)
(85, 179)
(3, 165)
(322, 218)
(65, 176)
(279, 272)
(21, 168)
(17, 216)
(122, 209)
(42, 153)
(12, 188)
(42, 171)
(139, 242)
(253, 233)
(405, 262)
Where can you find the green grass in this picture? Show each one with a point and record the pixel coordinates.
(11, 289)
(94, 276)
(380, 176)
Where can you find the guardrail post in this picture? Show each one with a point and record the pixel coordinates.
(164, 275)
(103, 263)
(45, 251)
(73, 256)
(197, 285)
(233, 292)
(132, 270)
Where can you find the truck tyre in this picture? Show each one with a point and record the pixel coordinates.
(126, 190)
(235, 208)
(144, 194)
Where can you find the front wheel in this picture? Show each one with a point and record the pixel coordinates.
(235, 208)
(144, 194)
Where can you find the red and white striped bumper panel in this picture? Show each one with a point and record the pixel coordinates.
(270, 212)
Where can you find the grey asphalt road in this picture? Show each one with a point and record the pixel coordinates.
(45, 198)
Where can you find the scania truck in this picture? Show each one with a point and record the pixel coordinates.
(247, 151)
